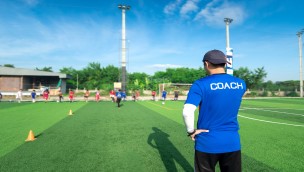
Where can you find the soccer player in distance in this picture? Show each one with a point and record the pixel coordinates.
(33, 95)
(153, 95)
(112, 95)
(118, 97)
(60, 97)
(97, 96)
(19, 96)
(219, 97)
(86, 95)
(71, 95)
(46, 95)
(164, 96)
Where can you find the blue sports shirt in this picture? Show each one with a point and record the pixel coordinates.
(33, 94)
(123, 95)
(164, 94)
(118, 94)
(219, 97)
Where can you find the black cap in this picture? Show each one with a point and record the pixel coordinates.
(215, 57)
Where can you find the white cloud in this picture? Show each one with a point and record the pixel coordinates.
(215, 11)
(188, 7)
(28, 42)
(171, 7)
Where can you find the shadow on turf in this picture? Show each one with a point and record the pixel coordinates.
(168, 152)
(38, 135)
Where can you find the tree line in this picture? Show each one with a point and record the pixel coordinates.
(94, 76)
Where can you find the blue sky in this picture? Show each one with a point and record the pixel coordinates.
(160, 33)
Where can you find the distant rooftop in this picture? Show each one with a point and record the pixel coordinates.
(9, 71)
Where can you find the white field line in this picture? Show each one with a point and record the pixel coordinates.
(277, 108)
(281, 123)
(261, 109)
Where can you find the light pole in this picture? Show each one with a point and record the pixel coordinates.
(299, 34)
(229, 51)
(123, 45)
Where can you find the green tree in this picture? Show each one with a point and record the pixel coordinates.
(258, 76)
(46, 69)
(288, 85)
(253, 79)
(71, 82)
(9, 65)
(270, 86)
(179, 75)
(92, 76)
(110, 74)
(137, 80)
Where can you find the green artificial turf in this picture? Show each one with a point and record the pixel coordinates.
(279, 147)
(140, 136)
(101, 137)
(16, 120)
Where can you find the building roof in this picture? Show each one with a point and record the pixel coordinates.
(29, 72)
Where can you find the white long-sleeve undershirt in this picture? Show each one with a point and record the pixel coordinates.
(188, 114)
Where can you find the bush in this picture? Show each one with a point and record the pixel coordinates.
(292, 94)
(253, 94)
(264, 94)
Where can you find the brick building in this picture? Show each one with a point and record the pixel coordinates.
(13, 79)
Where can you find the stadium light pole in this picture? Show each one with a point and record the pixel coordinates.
(123, 45)
(299, 34)
(229, 51)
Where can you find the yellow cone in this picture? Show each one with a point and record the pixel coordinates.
(70, 113)
(30, 137)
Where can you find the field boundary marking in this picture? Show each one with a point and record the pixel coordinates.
(263, 109)
(280, 123)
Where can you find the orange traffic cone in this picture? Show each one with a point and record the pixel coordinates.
(70, 113)
(30, 137)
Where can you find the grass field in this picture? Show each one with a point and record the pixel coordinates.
(141, 136)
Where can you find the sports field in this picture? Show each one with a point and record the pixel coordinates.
(141, 136)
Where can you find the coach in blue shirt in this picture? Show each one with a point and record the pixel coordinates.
(218, 97)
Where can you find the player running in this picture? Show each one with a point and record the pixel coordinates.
(97, 96)
(118, 97)
(164, 96)
(33, 95)
(46, 95)
(112, 95)
(71, 95)
(153, 95)
(86, 95)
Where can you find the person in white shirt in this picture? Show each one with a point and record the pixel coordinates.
(19, 96)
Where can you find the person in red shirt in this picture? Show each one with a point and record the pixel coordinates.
(97, 96)
(71, 95)
(86, 95)
(137, 94)
(112, 95)
(153, 95)
(46, 95)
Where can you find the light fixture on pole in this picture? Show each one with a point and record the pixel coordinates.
(229, 51)
(123, 45)
(299, 34)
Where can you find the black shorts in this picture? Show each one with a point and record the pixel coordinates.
(228, 162)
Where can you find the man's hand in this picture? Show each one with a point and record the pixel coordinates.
(198, 131)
